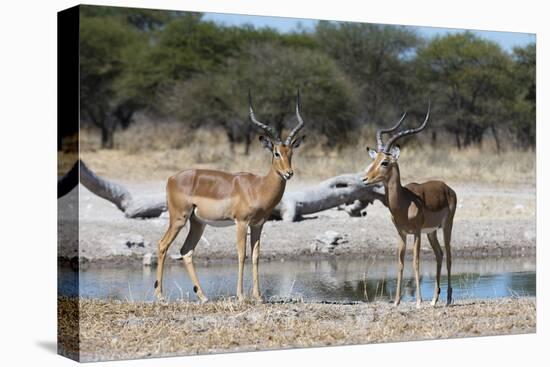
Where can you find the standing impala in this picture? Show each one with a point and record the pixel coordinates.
(220, 199)
(415, 208)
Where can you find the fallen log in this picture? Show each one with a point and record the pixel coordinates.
(68, 181)
(121, 197)
(347, 192)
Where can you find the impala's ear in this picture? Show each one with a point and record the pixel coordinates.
(395, 152)
(296, 143)
(266, 143)
(372, 152)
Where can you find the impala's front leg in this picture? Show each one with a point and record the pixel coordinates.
(416, 264)
(255, 233)
(402, 246)
(241, 250)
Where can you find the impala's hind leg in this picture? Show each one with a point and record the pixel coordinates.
(432, 237)
(416, 265)
(447, 230)
(177, 221)
(195, 233)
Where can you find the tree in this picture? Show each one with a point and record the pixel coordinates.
(103, 61)
(133, 58)
(524, 108)
(144, 20)
(470, 81)
(273, 72)
(378, 59)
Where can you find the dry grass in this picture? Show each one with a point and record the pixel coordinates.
(115, 330)
(154, 152)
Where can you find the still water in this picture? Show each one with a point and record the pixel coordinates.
(335, 280)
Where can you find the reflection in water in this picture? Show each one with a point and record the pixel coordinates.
(337, 280)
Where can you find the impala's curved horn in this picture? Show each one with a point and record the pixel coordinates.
(379, 133)
(408, 132)
(269, 130)
(300, 125)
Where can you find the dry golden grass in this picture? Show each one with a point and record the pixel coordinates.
(154, 152)
(114, 329)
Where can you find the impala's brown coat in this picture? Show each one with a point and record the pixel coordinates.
(415, 209)
(209, 197)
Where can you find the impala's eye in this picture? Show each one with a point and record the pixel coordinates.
(277, 155)
(384, 163)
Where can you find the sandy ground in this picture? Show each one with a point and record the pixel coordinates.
(490, 221)
(120, 330)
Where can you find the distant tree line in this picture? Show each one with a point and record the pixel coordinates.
(176, 64)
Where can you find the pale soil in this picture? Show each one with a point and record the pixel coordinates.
(490, 221)
(117, 330)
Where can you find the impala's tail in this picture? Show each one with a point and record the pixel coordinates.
(447, 231)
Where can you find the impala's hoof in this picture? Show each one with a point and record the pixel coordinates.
(449, 297)
(202, 298)
(257, 299)
(160, 298)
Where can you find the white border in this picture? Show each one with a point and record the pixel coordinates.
(28, 143)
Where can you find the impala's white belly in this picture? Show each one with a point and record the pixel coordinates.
(215, 223)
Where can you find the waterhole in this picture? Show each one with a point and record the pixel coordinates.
(334, 280)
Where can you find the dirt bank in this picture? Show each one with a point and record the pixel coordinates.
(115, 330)
(490, 221)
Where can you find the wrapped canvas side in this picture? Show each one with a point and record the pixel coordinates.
(67, 187)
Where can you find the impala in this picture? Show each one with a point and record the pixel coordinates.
(216, 198)
(415, 208)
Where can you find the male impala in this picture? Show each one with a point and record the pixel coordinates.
(219, 199)
(415, 208)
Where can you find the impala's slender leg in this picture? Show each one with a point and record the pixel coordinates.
(241, 250)
(432, 237)
(176, 224)
(195, 232)
(416, 265)
(401, 247)
(255, 233)
(447, 230)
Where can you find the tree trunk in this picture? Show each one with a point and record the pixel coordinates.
(107, 137)
(495, 135)
(347, 191)
(457, 139)
(467, 136)
(247, 142)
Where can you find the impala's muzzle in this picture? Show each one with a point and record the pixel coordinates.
(287, 175)
(372, 181)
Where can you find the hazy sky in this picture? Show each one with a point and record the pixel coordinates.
(507, 40)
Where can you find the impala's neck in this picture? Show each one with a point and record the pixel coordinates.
(394, 190)
(273, 186)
